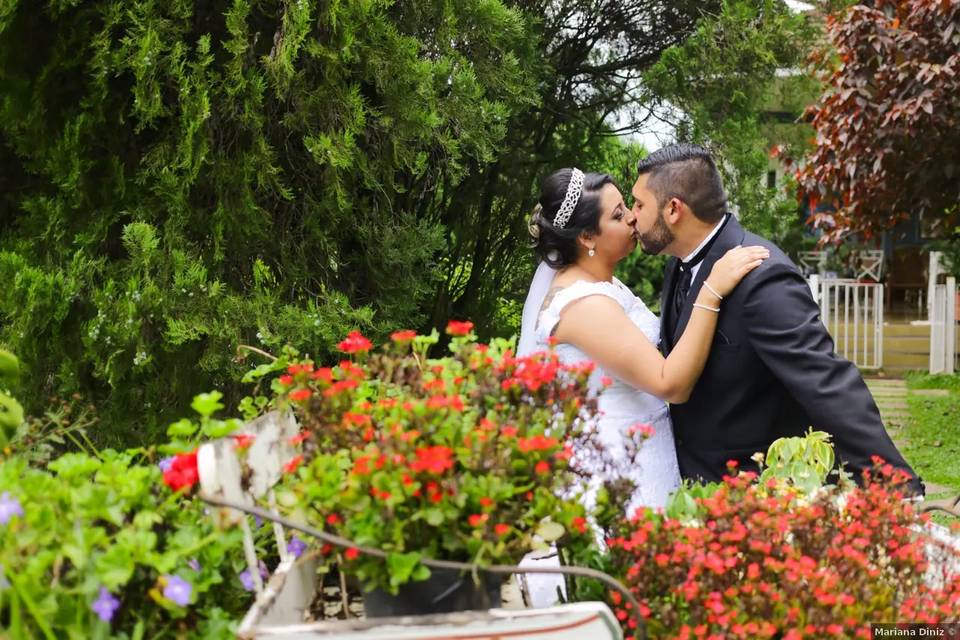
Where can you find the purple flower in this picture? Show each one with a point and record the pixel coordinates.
(246, 578)
(257, 521)
(177, 590)
(194, 564)
(105, 605)
(165, 463)
(296, 547)
(9, 507)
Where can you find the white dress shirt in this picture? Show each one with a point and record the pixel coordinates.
(696, 267)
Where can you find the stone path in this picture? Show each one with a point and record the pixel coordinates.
(891, 397)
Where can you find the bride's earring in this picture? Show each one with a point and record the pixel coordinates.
(591, 253)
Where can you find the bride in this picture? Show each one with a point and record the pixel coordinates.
(583, 229)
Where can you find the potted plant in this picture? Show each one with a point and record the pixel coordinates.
(466, 457)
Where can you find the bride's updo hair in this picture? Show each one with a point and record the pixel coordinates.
(558, 246)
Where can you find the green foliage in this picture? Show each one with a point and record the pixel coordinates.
(724, 79)
(931, 441)
(179, 179)
(11, 413)
(63, 427)
(128, 535)
(800, 462)
(182, 178)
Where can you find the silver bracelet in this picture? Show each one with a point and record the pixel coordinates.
(712, 290)
(703, 306)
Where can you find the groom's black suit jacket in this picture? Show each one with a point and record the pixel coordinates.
(772, 372)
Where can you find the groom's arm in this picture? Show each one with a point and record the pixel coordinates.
(784, 328)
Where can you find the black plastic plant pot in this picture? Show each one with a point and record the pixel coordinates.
(445, 591)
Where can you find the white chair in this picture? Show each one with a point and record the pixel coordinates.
(870, 265)
(812, 261)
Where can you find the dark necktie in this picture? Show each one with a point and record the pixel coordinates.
(685, 273)
(684, 280)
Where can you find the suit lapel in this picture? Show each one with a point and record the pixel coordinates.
(730, 236)
(666, 306)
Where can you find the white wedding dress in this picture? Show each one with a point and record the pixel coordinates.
(655, 471)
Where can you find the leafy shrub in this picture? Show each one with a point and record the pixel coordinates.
(97, 546)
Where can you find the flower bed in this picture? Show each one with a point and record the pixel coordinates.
(764, 560)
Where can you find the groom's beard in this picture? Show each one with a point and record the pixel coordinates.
(659, 237)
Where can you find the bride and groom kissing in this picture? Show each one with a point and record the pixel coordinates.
(739, 356)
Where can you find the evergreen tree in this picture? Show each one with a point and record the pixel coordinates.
(183, 177)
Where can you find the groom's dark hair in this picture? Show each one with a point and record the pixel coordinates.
(686, 172)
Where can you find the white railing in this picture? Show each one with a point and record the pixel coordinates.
(853, 314)
(943, 322)
(933, 276)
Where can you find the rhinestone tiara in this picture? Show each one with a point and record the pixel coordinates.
(570, 200)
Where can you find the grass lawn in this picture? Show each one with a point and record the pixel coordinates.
(933, 431)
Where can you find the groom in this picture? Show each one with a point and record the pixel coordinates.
(772, 371)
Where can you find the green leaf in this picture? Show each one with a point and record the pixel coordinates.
(550, 531)
(9, 366)
(422, 572)
(146, 519)
(258, 372)
(115, 567)
(206, 404)
(402, 566)
(73, 465)
(220, 428)
(182, 429)
(434, 517)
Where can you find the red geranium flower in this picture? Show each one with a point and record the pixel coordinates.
(459, 328)
(300, 395)
(242, 441)
(433, 459)
(355, 342)
(537, 443)
(182, 472)
(323, 373)
(292, 465)
(579, 523)
(501, 529)
(403, 336)
(477, 519)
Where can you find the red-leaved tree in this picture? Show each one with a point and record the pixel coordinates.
(888, 123)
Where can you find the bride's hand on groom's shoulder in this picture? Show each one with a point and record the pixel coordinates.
(736, 263)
